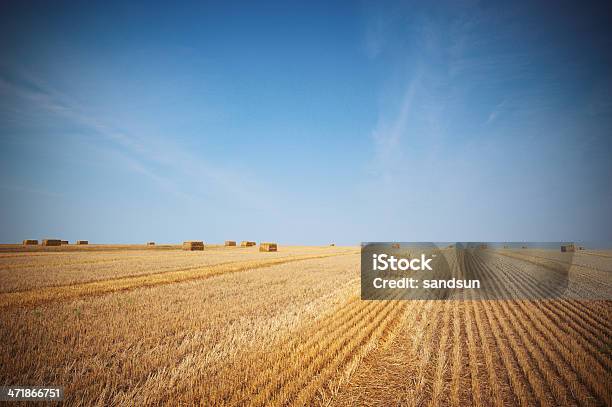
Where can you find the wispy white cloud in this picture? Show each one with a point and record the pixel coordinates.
(146, 156)
(444, 65)
(496, 112)
(375, 36)
(32, 191)
(389, 132)
(44, 97)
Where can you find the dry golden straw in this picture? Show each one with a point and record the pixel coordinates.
(272, 331)
(47, 294)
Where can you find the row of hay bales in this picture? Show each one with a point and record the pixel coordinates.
(187, 245)
(195, 245)
(52, 242)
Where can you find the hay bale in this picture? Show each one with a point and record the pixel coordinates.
(65, 242)
(568, 248)
(51, 242)
(333, 244)
(247, 243)
(230, 243)
(150, 243)
(27, 242)
(193, 245)
(268, 247)
(82, 242)
(395, 245)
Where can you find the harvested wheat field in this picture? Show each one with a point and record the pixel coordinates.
(150, 326)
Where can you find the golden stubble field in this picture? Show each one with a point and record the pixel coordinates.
(233, 326)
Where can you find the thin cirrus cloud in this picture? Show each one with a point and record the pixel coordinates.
(137, 154)
(483, 102)
(497, 112)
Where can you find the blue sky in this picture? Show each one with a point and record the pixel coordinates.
(305, 123)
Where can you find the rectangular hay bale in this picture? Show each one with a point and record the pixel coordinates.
(51, 242)
(247, 243)
(193, 245)
(568, 248)
(150, 243)
(230, 243)
(82, 242)
(268, 247)
(30, 242)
